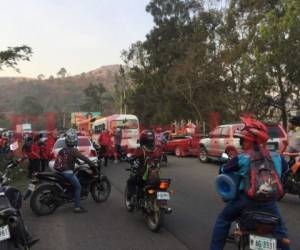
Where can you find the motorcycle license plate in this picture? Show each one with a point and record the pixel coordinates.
(31, 187)
(262, 243)
(163, 196)
(4, 233)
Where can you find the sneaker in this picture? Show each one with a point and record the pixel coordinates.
(79, 210)
(115, 161)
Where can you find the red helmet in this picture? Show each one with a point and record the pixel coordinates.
(254, 131)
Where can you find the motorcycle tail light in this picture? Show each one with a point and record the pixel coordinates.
(264, 228)
(93, 153)
(151, 191)
(164, 185)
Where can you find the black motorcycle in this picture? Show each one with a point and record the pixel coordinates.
(13, 233)
(151, 193)
(291, 179)
(254, 229)
(49, 190)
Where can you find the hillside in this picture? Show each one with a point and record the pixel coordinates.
(55, 94)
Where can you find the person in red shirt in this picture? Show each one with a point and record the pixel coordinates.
(32, 150)
(104, 142)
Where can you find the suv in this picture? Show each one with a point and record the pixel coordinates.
(221, 140)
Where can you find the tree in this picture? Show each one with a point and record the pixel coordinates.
(13, 55)
(40, 76)
(62, 73)
(96, 98)
(30, 106)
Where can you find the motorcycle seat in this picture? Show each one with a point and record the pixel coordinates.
(251, 219)
(55, 175)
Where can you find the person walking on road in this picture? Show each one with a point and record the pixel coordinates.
(104, 142)
(117, 143)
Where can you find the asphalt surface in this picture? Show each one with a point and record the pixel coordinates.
(109, 226)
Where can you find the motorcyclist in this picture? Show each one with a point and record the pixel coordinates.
(65, 163)
(147, 149)
(252, 139)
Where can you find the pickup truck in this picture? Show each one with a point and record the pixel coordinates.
(181, 145)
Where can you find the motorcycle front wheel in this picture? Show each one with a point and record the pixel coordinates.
(129, 207)
(155, 219)
(100, 189)
(42, 201)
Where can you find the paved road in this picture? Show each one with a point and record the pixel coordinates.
(109, 226)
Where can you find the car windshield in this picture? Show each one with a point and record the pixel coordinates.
(83, 142)
(127, 124)
(275, 132)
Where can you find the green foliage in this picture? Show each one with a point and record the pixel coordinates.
(62, 73)
(31, 106)
(13, 55)
(96, 98)
(242, 59)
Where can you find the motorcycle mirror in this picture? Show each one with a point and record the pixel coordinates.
(224, 157)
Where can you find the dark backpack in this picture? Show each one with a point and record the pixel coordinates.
(262, 182)
(61, 161)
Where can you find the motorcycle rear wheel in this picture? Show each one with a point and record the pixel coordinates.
(43, 194)
(155, 220)
(101, 189)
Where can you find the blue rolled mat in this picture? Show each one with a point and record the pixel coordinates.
(227, 186)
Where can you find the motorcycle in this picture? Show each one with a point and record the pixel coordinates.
(253, 229)
(49, 190)
(151, 195)
(13, 233)
(291, 179)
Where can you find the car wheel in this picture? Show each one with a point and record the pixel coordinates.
(203, 156)
(178, 152)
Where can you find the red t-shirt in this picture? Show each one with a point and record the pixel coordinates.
(34, 152)
(104, 139)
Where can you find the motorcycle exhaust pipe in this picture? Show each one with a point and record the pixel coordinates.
(13, 221)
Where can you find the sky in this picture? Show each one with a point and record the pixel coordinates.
(80, 35)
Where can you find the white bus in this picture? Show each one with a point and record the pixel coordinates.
(128, 123)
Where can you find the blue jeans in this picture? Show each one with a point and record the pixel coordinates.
(233, 210)
(76, 184)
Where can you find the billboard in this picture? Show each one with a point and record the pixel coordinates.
(80, 116)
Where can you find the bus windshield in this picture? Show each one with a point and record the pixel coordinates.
(125, 124)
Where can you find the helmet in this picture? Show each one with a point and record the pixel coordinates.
(147, 139)
(295, 120)
(253, 130)
(71, 137)
(158, 130)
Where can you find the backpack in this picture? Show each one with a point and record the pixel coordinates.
(61, 161)
(262, 182)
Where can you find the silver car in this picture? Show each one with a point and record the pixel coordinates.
(85, 146)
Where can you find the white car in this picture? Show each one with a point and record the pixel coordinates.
(85, 147)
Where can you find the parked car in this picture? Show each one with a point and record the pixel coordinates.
(85, 146)
(222, 139)
(181, 145)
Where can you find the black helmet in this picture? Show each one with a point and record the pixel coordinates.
(71, 137)
(147, 139)
(295, 120)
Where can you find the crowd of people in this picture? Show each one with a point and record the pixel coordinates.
(38, 151)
